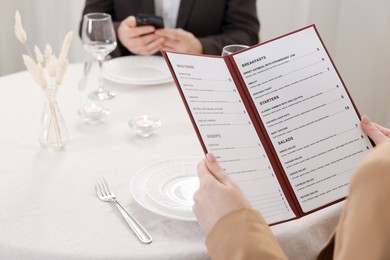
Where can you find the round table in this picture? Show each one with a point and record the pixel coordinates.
(49, 208)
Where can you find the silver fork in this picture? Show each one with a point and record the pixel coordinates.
(104, 194)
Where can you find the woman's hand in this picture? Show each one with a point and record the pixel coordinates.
(377, 133)
(217, 195)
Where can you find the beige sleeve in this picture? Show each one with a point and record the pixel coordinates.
(243, 234)
(364, 228)
(363, 231)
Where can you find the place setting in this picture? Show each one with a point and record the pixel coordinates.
(165, 188)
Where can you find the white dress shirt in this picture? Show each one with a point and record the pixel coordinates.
(169, 10)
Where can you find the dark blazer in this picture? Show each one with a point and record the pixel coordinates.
(215, 23)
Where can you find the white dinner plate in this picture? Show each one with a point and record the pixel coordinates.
(141, 83)
(137, 70)
(143, 183)
(174, 186)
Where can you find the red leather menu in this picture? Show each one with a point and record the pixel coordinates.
(279, 120)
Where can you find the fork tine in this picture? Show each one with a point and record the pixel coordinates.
(105, 186)
(100, 188)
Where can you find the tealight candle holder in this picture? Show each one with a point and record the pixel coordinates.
(144, 125)
(93, 114)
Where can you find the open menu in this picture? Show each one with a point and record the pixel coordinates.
(279, 120)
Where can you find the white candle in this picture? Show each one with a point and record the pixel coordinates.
(93, 114)
(144, 125)
(144, 122)
(93, 109)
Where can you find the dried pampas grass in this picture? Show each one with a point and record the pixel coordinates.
(19, 31)
(55, 67)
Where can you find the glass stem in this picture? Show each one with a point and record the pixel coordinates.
(101, 83)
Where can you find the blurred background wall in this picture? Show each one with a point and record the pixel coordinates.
(45, 21)
(356, 33)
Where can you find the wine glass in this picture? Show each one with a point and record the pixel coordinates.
(230, 49)
(99, 39)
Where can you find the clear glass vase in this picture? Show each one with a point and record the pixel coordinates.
(53, 132)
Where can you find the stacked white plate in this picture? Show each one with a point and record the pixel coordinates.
(137, 70)
(167, 187)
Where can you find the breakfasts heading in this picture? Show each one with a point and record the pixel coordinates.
(253, 61)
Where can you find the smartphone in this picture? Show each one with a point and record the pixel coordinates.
(149, 19)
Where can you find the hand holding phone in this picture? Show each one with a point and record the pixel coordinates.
(149, 19)
(139, 40)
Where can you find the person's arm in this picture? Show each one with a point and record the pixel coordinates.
(240, 26)
(229, 22)
(364, 228)
(373, 164)
(234, 230)
(243, 234)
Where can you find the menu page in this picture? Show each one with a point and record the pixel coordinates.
(307, 113)
(227, 131)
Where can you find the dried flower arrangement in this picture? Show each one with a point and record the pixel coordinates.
(56, 67)
(54, 133)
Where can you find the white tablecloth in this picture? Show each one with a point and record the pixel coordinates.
(48, 205)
